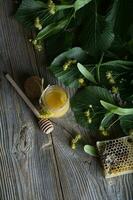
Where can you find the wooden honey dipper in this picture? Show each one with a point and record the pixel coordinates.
(45, 124)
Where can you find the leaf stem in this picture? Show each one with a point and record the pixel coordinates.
(114, 122)
(98, 67)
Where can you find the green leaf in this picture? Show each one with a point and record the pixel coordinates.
(126, 123)
(80, 3)
(96, 34)
(118, 65)
(53, 48)
(117, 110)
(130, 98)
(56, 67)
(120, 70)
(80, 103)
(52, 29)
(29, 10)
(91, 150)
(31, 5)
(63, 7)
(121, 17)
(88, 75)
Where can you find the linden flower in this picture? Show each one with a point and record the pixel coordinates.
(37, 23)
(87, 113)
(115, 90)
(45, 114)
(81, 81)
(103, 131)
(34, 42)
(73, 146)
(68, 64)
(108, 75)
(52, 7)
(65, 66)
(38, 47)
(37, 44)
(78, 137)
(75, 141)
(89, 120)
(112, 81)
(73, 61)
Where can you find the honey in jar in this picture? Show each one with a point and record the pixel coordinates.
(55, 101)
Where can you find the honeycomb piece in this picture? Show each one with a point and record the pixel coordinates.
(116, 156)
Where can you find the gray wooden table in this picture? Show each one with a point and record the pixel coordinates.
(28, 169)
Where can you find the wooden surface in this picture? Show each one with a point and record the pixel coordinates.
(29, 170)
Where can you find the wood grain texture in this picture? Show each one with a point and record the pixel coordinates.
(30, 170)
(27, 169)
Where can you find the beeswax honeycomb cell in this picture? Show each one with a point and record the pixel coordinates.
(116, 156)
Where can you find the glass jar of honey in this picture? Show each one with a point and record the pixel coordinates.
(54, 101)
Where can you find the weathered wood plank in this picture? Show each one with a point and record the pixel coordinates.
(27, 169)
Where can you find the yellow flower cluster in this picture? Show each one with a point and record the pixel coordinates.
(38, 24)
(68, 64)
(103, 131)
(52, 7)
(88, 115)
(37, 44)
(75, 141)
(115, 90)
(109, 76)
(44, 114)
(81, 81)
